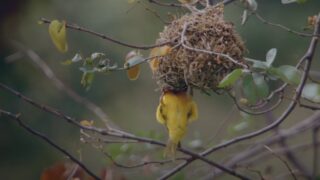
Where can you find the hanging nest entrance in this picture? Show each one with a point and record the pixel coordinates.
(206, 49)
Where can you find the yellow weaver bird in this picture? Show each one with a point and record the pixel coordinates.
(176, 110)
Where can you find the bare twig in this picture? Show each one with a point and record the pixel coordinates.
(283, 27)
(253, 158)
(48, 72)
(306, 58)
(82, 29)
(282, 160)
(315, 152)
(183, 39)
(274, 106)
(311, 107)
(145, 163)
(101, 149)
(293, 159)
(252, 170)
(251, 152)
(226, 2)
(290, 155)
(17, 118)
(111, 133)
(165, 4)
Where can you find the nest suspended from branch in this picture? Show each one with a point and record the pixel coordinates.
(210, 50)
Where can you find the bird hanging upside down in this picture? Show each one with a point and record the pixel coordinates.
(176, 110)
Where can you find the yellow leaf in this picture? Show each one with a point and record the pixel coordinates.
(133, 72)
(57, 31)
(158, 51)
(86, 123)
(131, 1)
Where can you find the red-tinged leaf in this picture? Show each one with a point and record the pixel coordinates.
(61, 171)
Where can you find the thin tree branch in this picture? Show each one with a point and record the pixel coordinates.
(274, 106)
(165, 4)
(314, 108)
(117, 134)
(253, 158)
(293, 159)
(251, 152)
(48, 72)
(282, 160)
(226, 2)
(308, 59)
(17, 118)
(82, 29)
(145, 163)
(315, 152)
(288, 153)
(283, 27)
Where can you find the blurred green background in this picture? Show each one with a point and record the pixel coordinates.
(131, 105)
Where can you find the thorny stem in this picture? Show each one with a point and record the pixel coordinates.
(307, 58)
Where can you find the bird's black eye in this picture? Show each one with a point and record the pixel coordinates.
(163, 115)
(189, 114)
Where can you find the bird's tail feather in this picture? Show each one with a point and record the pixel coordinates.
(171, 149)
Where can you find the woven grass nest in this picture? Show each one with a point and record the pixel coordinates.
(187, 65)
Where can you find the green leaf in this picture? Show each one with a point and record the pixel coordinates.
(311, 91)
(261, 85)
(58, 33)
(231, 78)
(249, 89)
(270, 56)
(289, 74)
